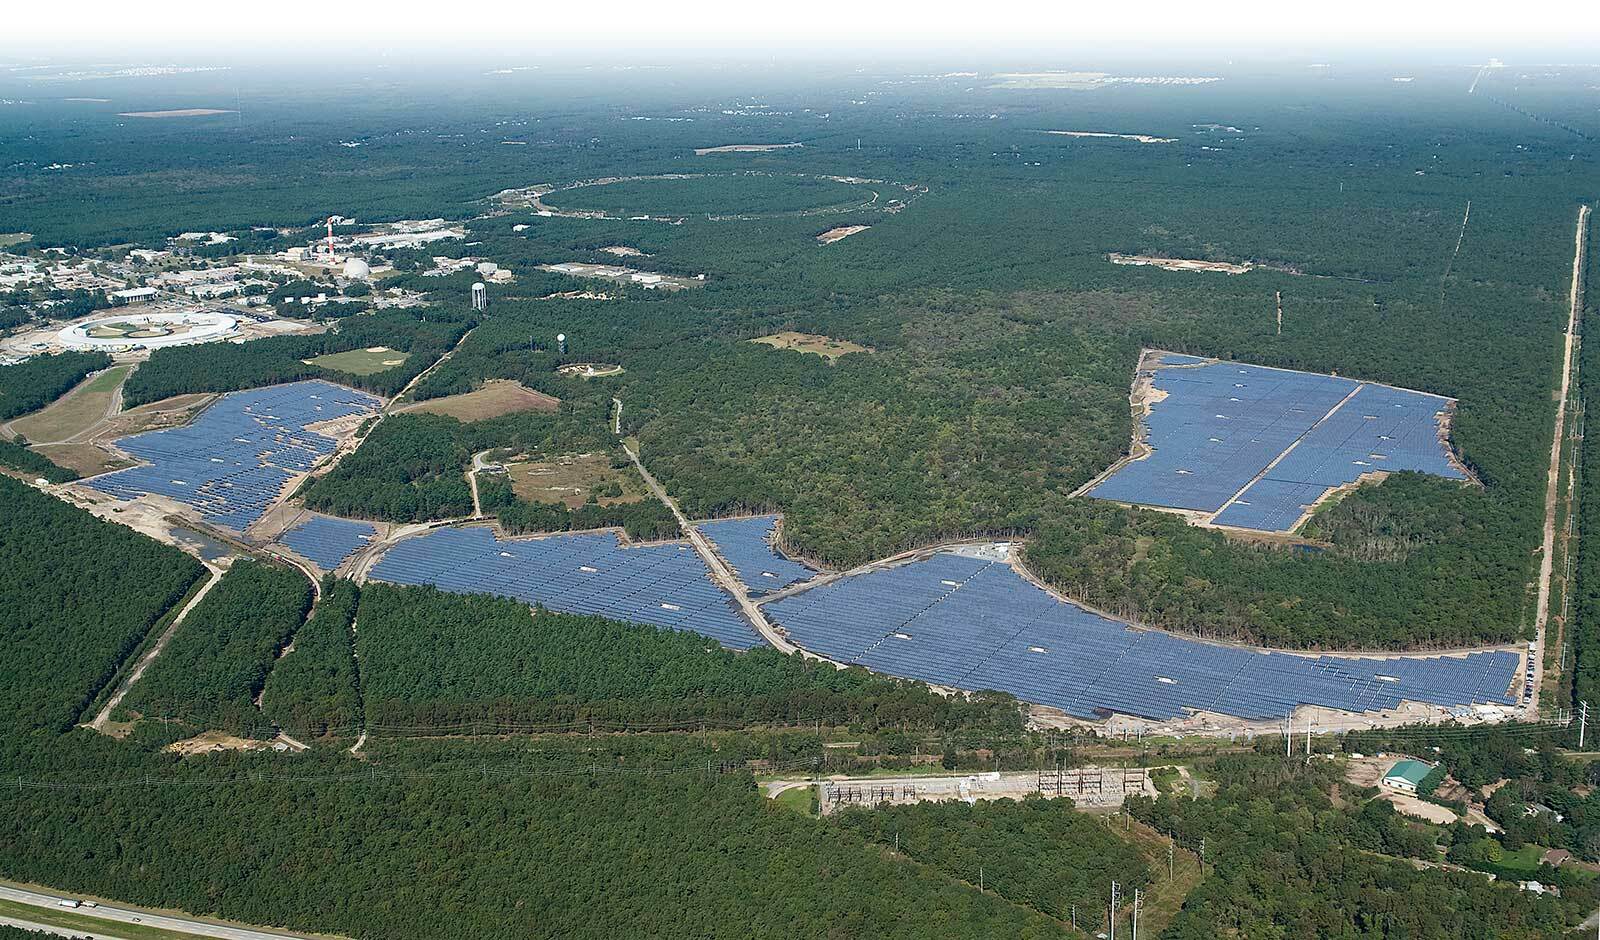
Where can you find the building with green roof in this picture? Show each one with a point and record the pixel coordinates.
(1407, 775)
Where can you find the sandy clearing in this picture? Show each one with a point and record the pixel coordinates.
(1178, 264)
(1141, 138)
(744, 148)
(176, 112)
(842, 232)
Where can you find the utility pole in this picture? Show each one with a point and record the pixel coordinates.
(1138, 899)
(1170, 853)
(1583, 723)
(1288, 736)
(1114, 887)
(1074, 917)
(980, 879)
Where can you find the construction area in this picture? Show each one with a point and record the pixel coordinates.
(1090, 788)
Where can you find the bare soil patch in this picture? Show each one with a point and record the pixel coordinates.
(1178, 264)
(569, 479)
(744, 148)
(497, 397)
(1421, 809)
(842, 232)
(590, 370)
(623, 251)
(86, 460)
(177, 113)
(825, 346)
(1141, 138)
(214, 742)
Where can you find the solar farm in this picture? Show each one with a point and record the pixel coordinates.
(746, 545)
(974, 623)
(661, 585)
(1254, 447)
(328, 542)
(232, 463)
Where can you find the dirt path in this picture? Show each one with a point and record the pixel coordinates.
(103, 718)
(720, 574)
(472, 481)
(1553, 479)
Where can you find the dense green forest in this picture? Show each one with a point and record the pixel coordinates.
(217, 662)
(78, 596)
(24, 461)
(314, 689)
(431, 659)
(410, 468)
(227, 367)
(33, 383)
(1286, 861)
(1037, 853)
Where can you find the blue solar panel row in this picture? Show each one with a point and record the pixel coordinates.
(328, 542)
(1222, 423)
(232, 462)
(975, 624)
(746, 545)
(662, 585)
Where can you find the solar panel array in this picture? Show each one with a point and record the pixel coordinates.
(328, 542)
(976, 624)
(662, 585)
(232, 462)
(746, 545)
(1222, 424)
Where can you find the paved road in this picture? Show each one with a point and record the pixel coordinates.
(56, 931)
(199, 928)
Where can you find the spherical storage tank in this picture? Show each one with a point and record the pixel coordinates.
(356, 269)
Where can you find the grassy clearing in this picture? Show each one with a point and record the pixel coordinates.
(7, 239)
(1167, 891)
(800, 800)
(75, 412)
(570, 478)
(814, 343)
(361, 361)
(497, 397)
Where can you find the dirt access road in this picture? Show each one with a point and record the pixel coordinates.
(1553, 480)
(102, 720)
(724, 578)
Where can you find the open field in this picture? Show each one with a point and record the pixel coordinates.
(570, 478)
(86, 460)
(825, 346)
(177, 113)
(497, 397)
(361, 361)
(840, 233)
(75, 412)
(7, 239)
(744, 148)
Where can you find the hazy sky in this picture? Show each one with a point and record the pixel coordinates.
(1200, 28)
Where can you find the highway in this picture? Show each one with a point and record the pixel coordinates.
(111, 914)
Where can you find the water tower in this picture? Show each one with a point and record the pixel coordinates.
(480, 297)
(561, 343)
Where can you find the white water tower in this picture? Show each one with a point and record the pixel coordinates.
(561, 343)
(480, 297)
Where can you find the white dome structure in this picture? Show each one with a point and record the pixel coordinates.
(356, 269)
